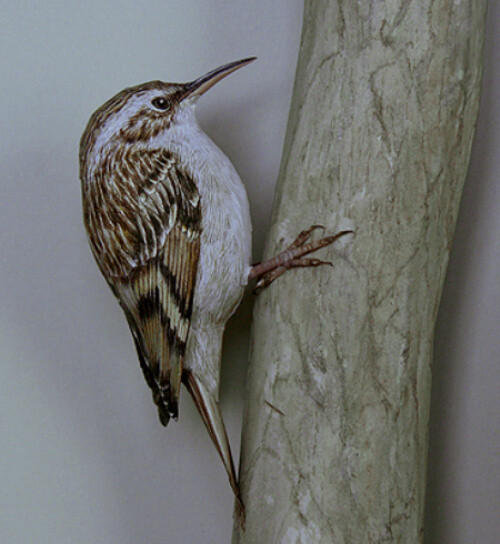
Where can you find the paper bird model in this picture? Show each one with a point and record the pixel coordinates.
(168, 222)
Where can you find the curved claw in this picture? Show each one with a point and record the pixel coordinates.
(309, 262)
(293, 257)
(304, 236)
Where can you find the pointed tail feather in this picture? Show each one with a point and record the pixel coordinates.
(166, 406)
(210, 413)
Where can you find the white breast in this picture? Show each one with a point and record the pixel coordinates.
(226, 228)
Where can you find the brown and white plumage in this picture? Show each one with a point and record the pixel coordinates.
(143, 217)
(168, 223)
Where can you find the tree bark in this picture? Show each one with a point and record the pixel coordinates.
(379, 136)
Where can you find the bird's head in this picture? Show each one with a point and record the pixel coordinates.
(141, 113)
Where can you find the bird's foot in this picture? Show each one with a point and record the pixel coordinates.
(266, 272)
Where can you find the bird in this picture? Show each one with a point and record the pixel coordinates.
(168, 221)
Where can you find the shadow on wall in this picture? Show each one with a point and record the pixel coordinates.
(449, 372)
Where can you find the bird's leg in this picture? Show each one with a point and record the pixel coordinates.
(292, 257)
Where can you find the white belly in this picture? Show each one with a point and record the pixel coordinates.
(222, 276)
(225, 244)
(226, 236)
(225, 249)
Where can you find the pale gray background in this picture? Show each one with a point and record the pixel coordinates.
(83, 458)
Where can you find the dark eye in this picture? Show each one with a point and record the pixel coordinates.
(161, 103)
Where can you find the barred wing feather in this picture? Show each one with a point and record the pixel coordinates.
(143, 216)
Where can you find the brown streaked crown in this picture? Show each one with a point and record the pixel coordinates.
(148, 120)
(144, 124)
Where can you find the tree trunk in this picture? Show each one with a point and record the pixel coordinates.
(379, 137)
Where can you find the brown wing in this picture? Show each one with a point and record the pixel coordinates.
(143, 217)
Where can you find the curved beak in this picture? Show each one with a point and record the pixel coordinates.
(202, 84)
